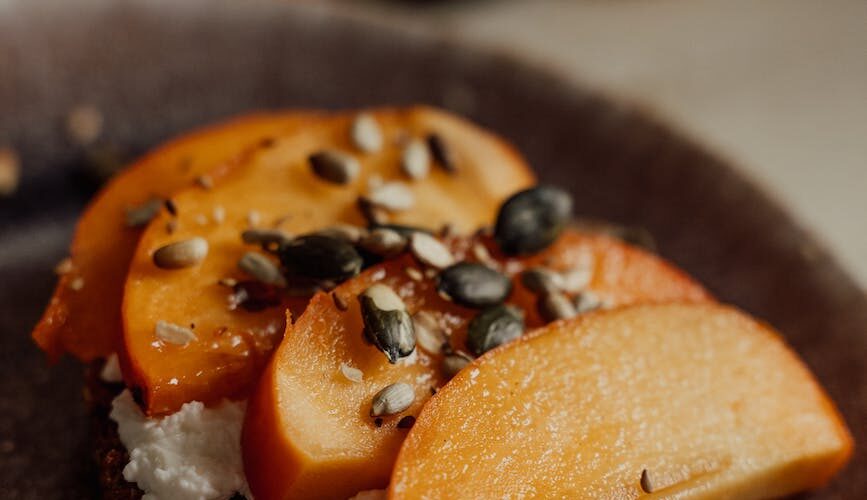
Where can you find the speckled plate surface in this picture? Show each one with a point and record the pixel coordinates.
(157, 68)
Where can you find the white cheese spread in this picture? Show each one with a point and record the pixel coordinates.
(194, 454)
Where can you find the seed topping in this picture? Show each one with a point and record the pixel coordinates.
(428, 333)
(455, 362)
(345, 232)
(268, 239)
(387, 325)
(262, 269)
(587, 301)
(144, 213)
(415, 159)
(493, 327)
(393, 196)
(392, 399)
(430, 251)
(474, 285)
(365, 133)
(320, 257)
(339, 302)
(373, 214)
(646, 485)
(540, 280)
(555, 306)
(171, 333)
(181, 254)
(383, 242)
(351, 373)
(532, 219)
(205, 181)
(335, 166)
(441, 153)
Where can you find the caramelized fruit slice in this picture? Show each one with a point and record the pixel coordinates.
(83, 316)
(277, 187)
(701, 400)
(308, 432)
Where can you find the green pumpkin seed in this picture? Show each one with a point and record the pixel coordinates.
(474, 285)
(335, 166)
(262, 269)
(320, 257)
(181, 254)
(387, 325)
(531, 220)
(494, 326)
(392, 399)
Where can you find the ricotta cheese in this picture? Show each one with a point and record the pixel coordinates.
(194, 454)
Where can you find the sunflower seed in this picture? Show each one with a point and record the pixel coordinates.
(320, 258)
(474, 285)
(540, 280)
(428, 334)
(646, 485)
(253, 218)
(455, 362)
(392, 399)
(173, 334)
(84, 124)
(335, 166)
(262, 269)
(205, 181)
(403, 229)
(373, 214)
(339, 302)
(587, 301)
(345, 232)
(10, 171)
(266, 238)
(387, 325)
(480, 252)
(393, 196)
(218, 214)
(351, 373)
(144, 213)
(181, 254)
(415, 159)
(554, 306)
(575, 280)
(494, 326)
(229, 282)
(430, 251)
(413, 273)
(365, 133)
(441, 153)
(532, 219)
(383, 242)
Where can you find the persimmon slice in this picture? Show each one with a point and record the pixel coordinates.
(308, 432)
(83, 315)
(653, 401)
(276, 186)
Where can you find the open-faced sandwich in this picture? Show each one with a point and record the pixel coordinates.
(384, 304)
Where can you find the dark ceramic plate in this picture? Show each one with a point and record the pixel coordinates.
(157, 70)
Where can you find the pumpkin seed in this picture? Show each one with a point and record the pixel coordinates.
(430, 251)
(173, 334)
(392, 399)
(554, 306)
(587, 301)
(455, 362)
(387, 325)
(266, 238)
(532, 219)
(646, 485)
(365, 133)
(474, 285)
(393, 196)
(441, 153)
(335, 166)
(428, 334)
(494, 326)
(415, 159)
(144, 213)
(351, 373)
(540, 280)
(383, 242)
(262, 269)
(345, 232)
(320, 257)
(181, 254)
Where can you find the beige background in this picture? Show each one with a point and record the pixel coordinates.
(777, 86)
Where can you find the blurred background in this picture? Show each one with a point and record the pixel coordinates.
(779, 87)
